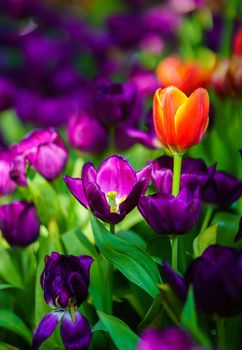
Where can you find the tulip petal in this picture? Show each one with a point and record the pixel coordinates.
(116, 174)
(191, 119)
(89, 174)
(75, 186)
(76, 335)
(166, 103)
(45, 328)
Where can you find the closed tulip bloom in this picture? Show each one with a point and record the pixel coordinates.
(180, 121)
(216, 280)
(44, 150)
(172, 338)
(19, 223)
(112, 190)
(170, 215)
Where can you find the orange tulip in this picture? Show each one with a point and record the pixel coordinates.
(180, 121)
(186, 75)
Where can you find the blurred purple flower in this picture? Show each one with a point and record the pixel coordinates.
(171, 215)
(215, 277)
(19, 223)
(44, 150)
(172, 338)
(65, 281)
(86, 133)
(7, 94)
(222, 189)
(112, 190)
(7, 185)
(116, 103)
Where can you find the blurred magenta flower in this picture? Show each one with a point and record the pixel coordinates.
(215, 277)
(172, 338)
(44, 150)
(19, 223)
(7, 185)
(170, 215)
(65, 281)
(112, 190)
(86, 133)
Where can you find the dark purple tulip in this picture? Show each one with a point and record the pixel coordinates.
(65, 279)
(116, 103)
(112, 190)
(216, 280)
(86, 134)
(7, 185)
(222, 189)
(19, 223)
(172, 338)
(145, 80)
(171, 215)
(44, 150)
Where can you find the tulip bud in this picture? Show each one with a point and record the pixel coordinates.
(180, 121)
(19, 223)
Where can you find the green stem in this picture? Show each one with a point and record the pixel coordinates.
(174, 255)
(112, 229)
(207, 218)
(177, 162)
(221, 334)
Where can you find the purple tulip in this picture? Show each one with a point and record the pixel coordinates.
(44, 150)
(171, 215)
(7, 185)
(172, 338)
(112, 190)
(116, 103)
(215, 277)
(222, 189)
(19, 223)
(86, 134)
(65, 281)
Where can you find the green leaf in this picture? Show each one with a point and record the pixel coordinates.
(5, 346)
(159, 246)
(42, 193)
(189, 320)
(154, 315)
(134, 263)
(9, 270)
(12, 322)
(228, 224)
(76, 243)
(120, 333)
(205, 239)
(6, 286)
(133, 238)
(170, 302)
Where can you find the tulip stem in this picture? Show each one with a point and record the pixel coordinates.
(177, 162)
(221, 334)
(112, 229)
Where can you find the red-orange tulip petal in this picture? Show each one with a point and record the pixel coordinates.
(166, 103)
(191, 119)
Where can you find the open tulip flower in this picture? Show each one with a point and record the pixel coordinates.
(180, 121)
(112, 190)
